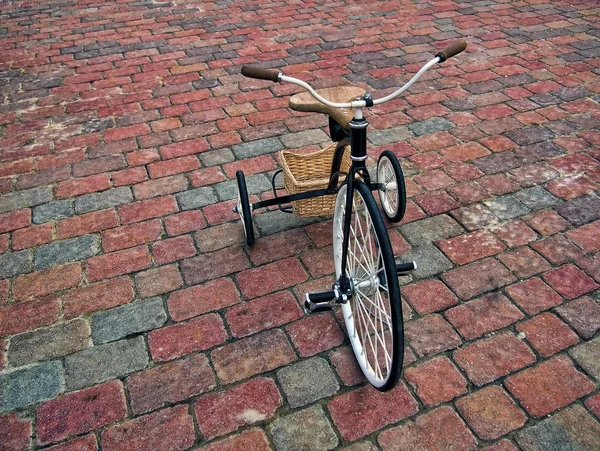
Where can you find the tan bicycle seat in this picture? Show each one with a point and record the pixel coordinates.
(341, 94)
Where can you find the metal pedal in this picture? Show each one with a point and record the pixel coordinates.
(404, 269)
(320, 302)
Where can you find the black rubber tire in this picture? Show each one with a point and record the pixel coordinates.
(389, 278)
(243, 208)
(398, 213)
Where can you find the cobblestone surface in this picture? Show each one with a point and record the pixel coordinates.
(132, 314)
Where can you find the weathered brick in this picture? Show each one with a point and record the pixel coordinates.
(99, 296)
(586, 355)
(196, 300)
(25, 316)
(486, 360)
(117, 263)
(346, 366)
(245, 404)
(58, 209)
(15, 263)
(430, 335)
(158, 281)
(549, 386)
(480, 316)
(472, 246)
(478, 277)
(262, 313)
(572, 428)
(66, 251)
(174, 166)
(254, 355)
(180, 339)
(101, 363)
(49, 343)
(15, 433)
(570, 281)
(298, 382)
(100, 201)
(254, 439)
(171, 428)
(580, 211)
(272, 277)
(314, 334)
(85, 443)
(583, 315)
(365, 410)
(140, 211)
(491, 412)
(436, 381)
(184, 222)
(31, 385)
(15, 220)
(197, 198)
(131, 235)
(40, 283)
(25, 199)
(160, 187)
(548, 334)
(426, 429)
(306, 429)
(546, 222)
(170, 383)
(32, 236)
(127, 320)
(87, 223)
(214, 265)
(79, 186)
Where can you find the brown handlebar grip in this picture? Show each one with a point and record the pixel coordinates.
(260, 73)
(453, 49)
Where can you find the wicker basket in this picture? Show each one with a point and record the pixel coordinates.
(309, 172)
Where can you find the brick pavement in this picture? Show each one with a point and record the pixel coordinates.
(133, 317)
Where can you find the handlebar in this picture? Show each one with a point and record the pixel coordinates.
(265, 74)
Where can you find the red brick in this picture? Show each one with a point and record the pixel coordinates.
(263, 313)
(346, 366)
(206, 177)
(570, 281)
(160, 187)
(85, 185)
(218, 237)
(427, 161)
(436, 203)
(40, 283)
(181, 339)
(245, 404)
(171, 429)
(96, 297)
(593, 403)
(142, 157)
(158, 281)
(131, 131)
(463, 171)
(476, 278)
(546, 222)
(481, 316)
(87, 223)
(583, 315)
(275, 276)
(251, 439)
(428, 296)
(16, 167)
(549, 386)
(129, 176)
(315, 334)
(435, 141)
(173, 249)
(569, 188)
(363, 411)
(557, 249)
(436, 381)
(174, 166)
(548, 334)
(257, 354)
(533, 295)
(498, 143)
(4, 291)
(170, 383)
(465, 152)
(466, 248)
(502, 445)
(184, 222)
(199, 299)
(319, 262)
(99, 165)
(4, 243)
(85, 443)
(279, 246)
(587, 237)
(15, 433)
(430, 335)
(15, 220)
(43, 177)
(489, 359)
(80, 412)
(165, 124)
(498, 184)
(131, 235)
(221, 212)
(180, 149)
(148, 209)
(426, 430)
(32, 236)
(213, 265)
(432, 180)
(117, 263)
(523, 262)
(491, 412)
(468, 193)
(25, 316)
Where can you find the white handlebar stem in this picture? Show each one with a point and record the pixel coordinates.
(358, 103)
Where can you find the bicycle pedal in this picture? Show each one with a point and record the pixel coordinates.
(404, 269)
(320, 302)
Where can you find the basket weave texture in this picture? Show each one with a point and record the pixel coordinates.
(305, 172)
